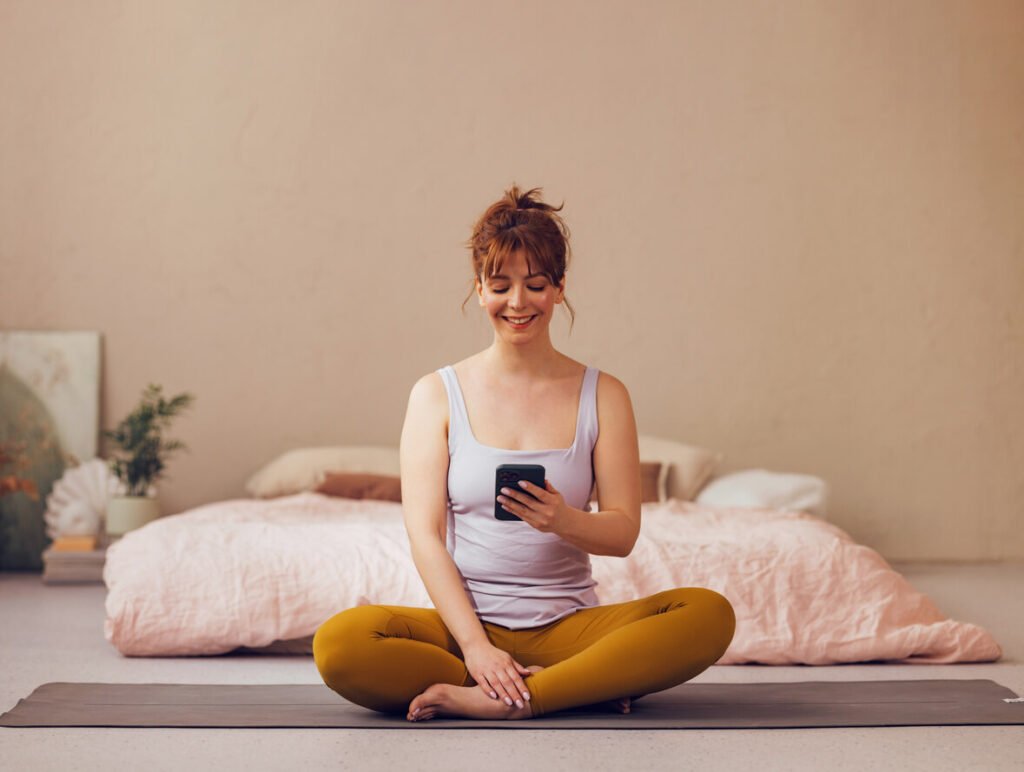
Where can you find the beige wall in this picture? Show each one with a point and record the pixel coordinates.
(797, 225)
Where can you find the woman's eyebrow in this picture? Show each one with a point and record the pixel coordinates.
(502, 276)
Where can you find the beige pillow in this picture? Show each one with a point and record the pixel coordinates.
(303, 469)
(688, 468)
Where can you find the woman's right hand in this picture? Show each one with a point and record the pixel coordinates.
(497, 673)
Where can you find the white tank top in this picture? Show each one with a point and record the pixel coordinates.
(515, 575)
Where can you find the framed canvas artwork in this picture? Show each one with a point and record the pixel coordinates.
(49, 420)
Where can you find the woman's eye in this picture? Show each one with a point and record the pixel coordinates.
(535, 289)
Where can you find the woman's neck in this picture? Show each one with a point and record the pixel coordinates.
(517, 363)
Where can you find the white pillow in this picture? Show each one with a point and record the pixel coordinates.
(303, 469)
(757, 488)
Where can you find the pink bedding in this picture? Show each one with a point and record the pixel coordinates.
(249, 573)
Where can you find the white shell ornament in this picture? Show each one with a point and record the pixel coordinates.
(77, 505)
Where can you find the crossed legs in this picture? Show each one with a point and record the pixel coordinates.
(384, 657)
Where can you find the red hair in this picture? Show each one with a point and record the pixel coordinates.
(520, 221)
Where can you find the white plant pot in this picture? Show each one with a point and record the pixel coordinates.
(126, 513)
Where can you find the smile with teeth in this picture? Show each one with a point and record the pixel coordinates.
(519, 321)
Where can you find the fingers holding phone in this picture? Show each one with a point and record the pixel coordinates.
(539, 504)
(507, 476)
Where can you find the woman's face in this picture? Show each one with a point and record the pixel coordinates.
(515, 294)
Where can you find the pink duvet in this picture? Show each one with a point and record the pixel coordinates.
(251, 572)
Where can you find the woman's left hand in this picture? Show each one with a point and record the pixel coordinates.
(547, 512)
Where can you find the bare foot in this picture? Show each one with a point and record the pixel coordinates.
(622, 705)
(462, 701)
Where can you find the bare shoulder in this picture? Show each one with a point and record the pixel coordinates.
(610, 389)
(430, 385)
(616, 419)
(429, 394)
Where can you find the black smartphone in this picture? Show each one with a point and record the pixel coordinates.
(508, 476)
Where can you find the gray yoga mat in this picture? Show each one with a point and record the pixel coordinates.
(687, 706)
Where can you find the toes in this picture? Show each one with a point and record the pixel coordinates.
(426, 702)
(423, 715)
(419, 702)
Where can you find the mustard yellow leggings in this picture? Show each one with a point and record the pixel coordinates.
(381, 657)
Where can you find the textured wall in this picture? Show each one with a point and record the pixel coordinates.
(797, 226)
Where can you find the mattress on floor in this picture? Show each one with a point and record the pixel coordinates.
(263, 574)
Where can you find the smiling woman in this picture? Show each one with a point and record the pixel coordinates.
(524, 584)
(520, 241)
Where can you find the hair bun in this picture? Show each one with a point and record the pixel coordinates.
(526, 200)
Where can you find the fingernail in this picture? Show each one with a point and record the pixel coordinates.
(519, 703)
(526, 695)
(522, 483)
(416, 711)
(493, 695)
(508, 701)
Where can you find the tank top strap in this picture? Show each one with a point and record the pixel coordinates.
(458, 416)
(588, 410)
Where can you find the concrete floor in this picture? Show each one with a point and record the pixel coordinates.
(55, 633)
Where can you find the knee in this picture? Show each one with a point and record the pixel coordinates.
(340, 643)
(717, 616)
(721, 617)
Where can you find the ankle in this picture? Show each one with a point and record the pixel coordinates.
(517, 714)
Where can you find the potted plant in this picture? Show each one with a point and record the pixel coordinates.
(138, 460)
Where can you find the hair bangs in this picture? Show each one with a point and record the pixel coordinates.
(507, 244)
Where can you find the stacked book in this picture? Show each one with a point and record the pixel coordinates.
(74, 560)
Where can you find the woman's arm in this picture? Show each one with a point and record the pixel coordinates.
(608, 532)
(444, 585)
(615, 528)
(423, 461)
